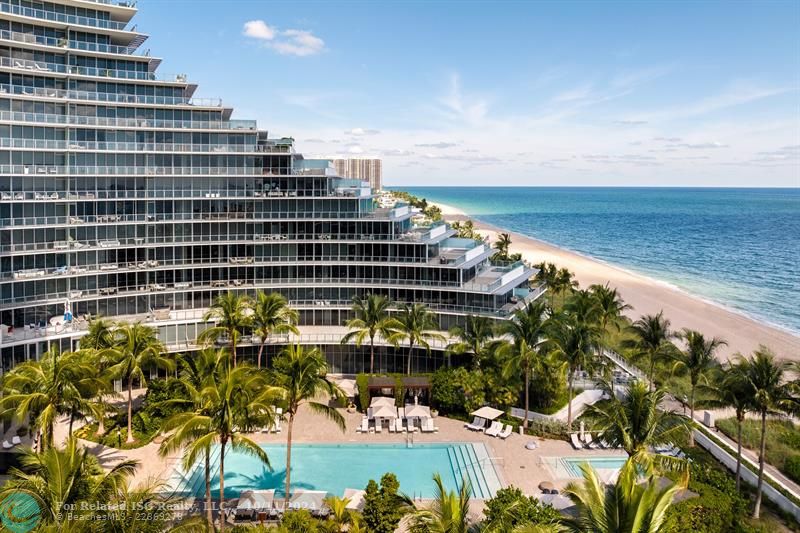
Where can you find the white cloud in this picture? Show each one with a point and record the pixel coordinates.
(287, 42)
(361, 132)
(458, 106)
(440, 145)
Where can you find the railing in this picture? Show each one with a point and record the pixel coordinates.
(61, 17)
(92, 96)
(45, 118)
(131, 170)
(31, 38)
(42, 67)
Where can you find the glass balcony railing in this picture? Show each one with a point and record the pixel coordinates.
(62, 17)
(92, 96)
(44, 40)
(19, 116)
(42, 144)
(43, 67)
(131, 170)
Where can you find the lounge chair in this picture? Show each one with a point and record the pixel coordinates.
(576, 443)
(7, 445)
(494, 429)
(378, 425)
(364, 427)
(587, 439)
(506, 432)
(427, 425)
(477, 424)
(16, 440)
(399, 427)
(392, 425)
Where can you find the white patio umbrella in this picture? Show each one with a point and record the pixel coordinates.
(381, 401)
(487, 413)
(384, 411)
(418, 411)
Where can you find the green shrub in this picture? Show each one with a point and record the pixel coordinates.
(362, 383)
(382, 506)
(299, 521)
(711, 512)
(510, 508)
(792, 467)
(457, 390)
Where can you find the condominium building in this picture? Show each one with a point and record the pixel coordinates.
(123, 196)
(369, 170)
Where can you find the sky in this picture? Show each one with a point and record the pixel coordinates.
(569, 93)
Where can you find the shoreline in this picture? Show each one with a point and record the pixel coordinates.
(649, 295)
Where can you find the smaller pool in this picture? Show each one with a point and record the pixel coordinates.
(570, 467)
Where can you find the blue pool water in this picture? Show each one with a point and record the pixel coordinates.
(736, 247)
(572, 464)
(335, 467)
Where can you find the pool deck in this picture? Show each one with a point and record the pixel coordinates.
(514, 464)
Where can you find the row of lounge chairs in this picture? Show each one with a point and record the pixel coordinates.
(495, 429)
(397, 425)
(263, 505)
(15, 441)
(588, 442)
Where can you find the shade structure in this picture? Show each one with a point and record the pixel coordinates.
(256, 500)
(348, 386)
(381, 401)
(488, 413)
(356, 497)
(417, 411)
(383, 411)
(311, 500)
(546, 485)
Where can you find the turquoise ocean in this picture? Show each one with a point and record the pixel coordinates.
(739, 248)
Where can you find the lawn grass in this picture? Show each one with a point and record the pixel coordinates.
(783, 441)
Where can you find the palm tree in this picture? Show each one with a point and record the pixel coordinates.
(698, 361)
(302, 374)
(471, 338)
(610, 304)
(628, 506)
(575, 342)
(100, 334)
(528, 332)
(272, 316)
(766, 376)
(61, 480)
(136, 347)
(502, 245)
(340, 514)
(732, 389)
(584, 306)
(418, 326)
(547, 274)
(196, 372)
(55, 385)
(564, 281)
(637, 424)
(652, 342)
(371, 319)
(448, 513)
(231, 313)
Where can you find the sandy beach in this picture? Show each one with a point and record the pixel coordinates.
(649, 296)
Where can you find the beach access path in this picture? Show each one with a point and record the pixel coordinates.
(649, 296)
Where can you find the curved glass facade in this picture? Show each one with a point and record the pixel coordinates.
(122, 196)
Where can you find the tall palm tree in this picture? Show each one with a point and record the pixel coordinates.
(502, 245)
(628, 506)
(41, 391)
(234, 402)
(371, 318)
(731, 389)
(610, 304)
(65, 480)
(547, 274)
(471, 338)
(575, 342)
(231, 313)
(564, 281)
(767, 378)
(528, 331)
(302, 374)
(698, 361)
(584, 307)
(100, 334)
(418, 326)
(136, 347)
(447, 513)
(272, 316)
(652, 342)
(637, 424)
(196, 372)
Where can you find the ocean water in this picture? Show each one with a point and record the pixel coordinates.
(739, 248)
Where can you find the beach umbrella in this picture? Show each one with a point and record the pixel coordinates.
(378, 401)
(67, 312)
(486, 412)
(417, 411)
(384, 411)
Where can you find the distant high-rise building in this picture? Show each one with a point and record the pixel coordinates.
(362, 169)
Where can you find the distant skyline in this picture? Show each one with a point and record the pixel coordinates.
(507, 93)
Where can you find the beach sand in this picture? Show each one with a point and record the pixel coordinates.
(649, 296)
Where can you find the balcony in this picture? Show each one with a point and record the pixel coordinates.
(67, 20)
(42, 67)
(83, 146)
(132, 170)
(44, 118)
(42, 40)
(92, 96)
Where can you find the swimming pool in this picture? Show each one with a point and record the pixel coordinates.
(335, 467)
(569, 467)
